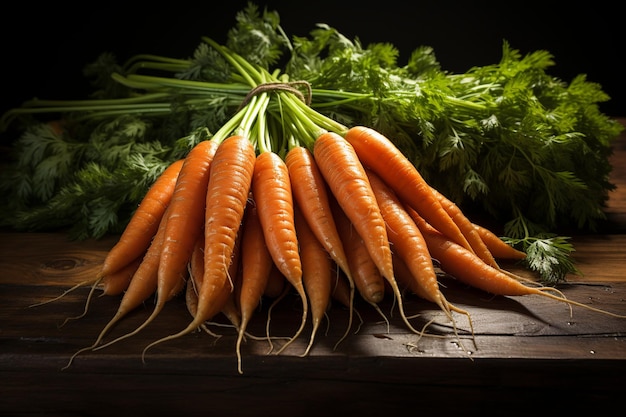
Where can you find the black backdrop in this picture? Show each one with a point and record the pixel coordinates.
(45, 47)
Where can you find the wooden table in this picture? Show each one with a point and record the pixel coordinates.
(530, 354)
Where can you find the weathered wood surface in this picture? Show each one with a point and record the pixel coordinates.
(528, 347)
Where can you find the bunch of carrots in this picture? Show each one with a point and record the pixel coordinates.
(284, 199)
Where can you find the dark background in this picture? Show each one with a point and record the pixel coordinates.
(45, 47)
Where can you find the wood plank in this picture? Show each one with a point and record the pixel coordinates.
(36, 329)
(346, 386)
(524, 347)
(44, 259)
(600, 258)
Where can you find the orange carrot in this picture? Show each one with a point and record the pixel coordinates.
(380, 154)
(405, 277)
(271, 188)
(275, 283)
(256, 265)
(231, 308)
(230, 179)
(468, 268)
(142, 227)
(467, 228)
(183, 225)
(311, 194)
(144, 282)
(133, 241)
(406, 239)
(191, 296)
(184, 220)
(196, 266)
(367, 277)
(409, 245)
(316, 273)
(196, 272)
(346, 178)
(142, 285)
(112, 284)
(498, 247)
(116, 283)
(228, 189)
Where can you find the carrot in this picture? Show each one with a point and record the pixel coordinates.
(142, 227)
(230, 179)
(498, 247)
(382, 156)
(409, 245)
(367, 277)
(256, 267)
(468, 268)
(231, 309)
(196, 272)
(271, 188)
(346, 178)
(133, 241)
(144, 282)
(142, 285)
(316, 273)
(311, 194)
(184, 220)
(112, 284)
(183, 225)
(196, 265)
(275, 283)
(405, 277)
(116, 283)
(406, 239)
(191, 296)
(191, 301)
(467, 228)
